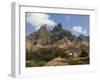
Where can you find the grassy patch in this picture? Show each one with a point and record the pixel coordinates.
(75, 62)
(34, 63)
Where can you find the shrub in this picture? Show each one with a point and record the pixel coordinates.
(83, 54)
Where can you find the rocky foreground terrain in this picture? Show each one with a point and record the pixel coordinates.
(56, 47)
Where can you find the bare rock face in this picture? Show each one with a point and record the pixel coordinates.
(58, 61)
(41, 36)
(63, 43)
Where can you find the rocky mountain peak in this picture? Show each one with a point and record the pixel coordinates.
(58, 27)
(43, 28)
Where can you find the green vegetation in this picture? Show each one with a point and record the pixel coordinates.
(83, 53)
(34, 63)
(48, 54)
(75, 61)
(79, 60)
(42, 56)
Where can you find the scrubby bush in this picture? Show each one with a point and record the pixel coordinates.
(83, 54)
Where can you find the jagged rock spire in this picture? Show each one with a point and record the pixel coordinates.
(43, 28)
(58, 27)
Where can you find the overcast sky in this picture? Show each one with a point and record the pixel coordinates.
(77, 24)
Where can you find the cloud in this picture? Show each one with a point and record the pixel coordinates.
(37, 19)
(79, 29)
